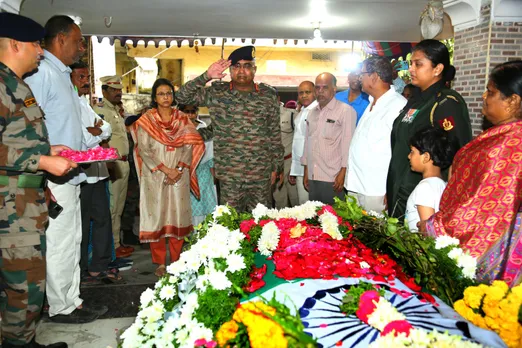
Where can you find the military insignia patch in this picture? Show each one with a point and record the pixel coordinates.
(447, 124)
(410, 116)
(29, 102)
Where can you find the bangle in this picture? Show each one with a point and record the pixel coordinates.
(180, 169)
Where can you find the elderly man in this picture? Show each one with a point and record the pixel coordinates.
(330, 128)
(354, 96)
(248, 152)
(306, 98)
(26, 154)
(55, 94)
(370, 150)
(109, 110)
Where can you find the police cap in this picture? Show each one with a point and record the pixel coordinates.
(20, 28)
(242, 53)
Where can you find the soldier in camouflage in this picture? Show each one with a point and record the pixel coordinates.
(248, 153)
(25, 154)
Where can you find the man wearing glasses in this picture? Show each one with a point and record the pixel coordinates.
(248, 152)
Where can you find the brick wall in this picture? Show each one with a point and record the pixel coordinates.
(470, 59)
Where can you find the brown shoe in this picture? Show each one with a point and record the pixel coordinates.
(122, 253)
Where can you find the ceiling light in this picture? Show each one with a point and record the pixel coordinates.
(317, 33)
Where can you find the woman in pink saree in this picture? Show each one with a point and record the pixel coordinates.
(481, 205)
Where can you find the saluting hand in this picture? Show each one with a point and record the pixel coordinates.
(215, 71)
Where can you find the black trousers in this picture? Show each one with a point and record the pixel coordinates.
(323, 191)
(95, 207)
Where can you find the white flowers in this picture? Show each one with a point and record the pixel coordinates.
(269, 239)
(220, 210)
(146, 297)
(235, 262)
(167, 292)
(330, 225)
(304, 211)
(384, 314)
(464, 260)
(444, 241)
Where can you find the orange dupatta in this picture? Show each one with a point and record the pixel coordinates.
(178, 132)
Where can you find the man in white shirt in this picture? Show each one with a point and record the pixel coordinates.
(370, 149)
(94, 198)
(306, 97)
(56, 95)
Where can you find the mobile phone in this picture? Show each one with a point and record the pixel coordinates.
(403, 65)
(54, 209)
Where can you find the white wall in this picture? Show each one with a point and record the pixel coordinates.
(104, 58)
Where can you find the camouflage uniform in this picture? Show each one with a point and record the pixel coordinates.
(286, 195)
(23, 212)
(247, 138)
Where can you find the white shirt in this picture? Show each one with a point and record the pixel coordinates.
(297, 168)
(96, 171)
(370, 149)
(56, 95)
(427, 193)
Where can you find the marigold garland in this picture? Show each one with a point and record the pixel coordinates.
(494, 307)
(263, 332)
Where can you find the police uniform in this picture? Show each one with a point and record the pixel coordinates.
(118, 189)
(247, 135)
(23, 211)
(438, 107)
(286, 195)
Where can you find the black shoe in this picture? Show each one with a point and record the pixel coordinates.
(129, 238)
(99, 310)
(78, 316)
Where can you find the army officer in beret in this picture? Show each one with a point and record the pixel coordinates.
(25, 155)
(247, 138)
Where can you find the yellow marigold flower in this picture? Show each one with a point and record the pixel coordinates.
(495, 293)
(226, 332)
(499, 284)
(517, 290)
(473, 296)
(492, 323)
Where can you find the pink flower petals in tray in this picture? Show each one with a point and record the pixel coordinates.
(97, 154)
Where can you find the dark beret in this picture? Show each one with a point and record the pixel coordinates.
(242, 53)
(20, 28)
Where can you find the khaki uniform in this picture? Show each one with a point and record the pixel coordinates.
(23, 212)
(118, 189)
(286, 195)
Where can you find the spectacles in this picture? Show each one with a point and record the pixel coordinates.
(163, 95)
(246, 66)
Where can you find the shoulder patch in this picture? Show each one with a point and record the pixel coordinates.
(29, 102)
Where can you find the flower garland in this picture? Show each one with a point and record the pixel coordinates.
(198, 291)
(464, 260)
(396, 331)
(314, 247)
(496, 308)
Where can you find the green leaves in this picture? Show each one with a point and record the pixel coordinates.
(350, 301)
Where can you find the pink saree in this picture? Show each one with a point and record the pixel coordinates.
(481, 204)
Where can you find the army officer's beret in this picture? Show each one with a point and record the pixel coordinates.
(20, 28)
(242, 53)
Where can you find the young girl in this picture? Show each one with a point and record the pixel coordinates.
(432, 151)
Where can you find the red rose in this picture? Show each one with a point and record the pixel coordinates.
(367, 304)
(396, 327)
(246, 226)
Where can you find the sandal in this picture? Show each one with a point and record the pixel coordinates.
(160, 271)
(108, 277)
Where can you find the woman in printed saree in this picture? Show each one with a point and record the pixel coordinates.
(167, 149)
(481, 204)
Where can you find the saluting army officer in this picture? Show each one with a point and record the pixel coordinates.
(25, 155)
(248, 153)
(110, 112)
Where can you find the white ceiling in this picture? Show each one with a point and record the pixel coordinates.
(361, 20)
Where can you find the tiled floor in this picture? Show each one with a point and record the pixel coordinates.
(101, 333)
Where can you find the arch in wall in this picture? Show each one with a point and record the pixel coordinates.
(463, 13)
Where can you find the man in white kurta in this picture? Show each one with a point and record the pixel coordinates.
(370, 149)
(56, 95)
(306, 97)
